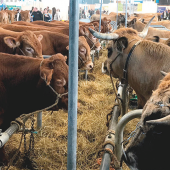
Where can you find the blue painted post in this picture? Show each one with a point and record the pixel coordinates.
(73, 84)
(100, 15)
(117, 15)
(126, 15)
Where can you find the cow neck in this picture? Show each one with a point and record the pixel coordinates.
(125, 70)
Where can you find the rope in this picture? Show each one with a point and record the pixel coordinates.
(114, 162)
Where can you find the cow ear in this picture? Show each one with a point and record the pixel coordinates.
(67, 47)
(11, 42)
(40, 37)
(122, 44)
(65, 57)
(46, 70)
(156, 39)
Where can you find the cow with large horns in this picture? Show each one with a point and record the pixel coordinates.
(149, 148)
(141, 74)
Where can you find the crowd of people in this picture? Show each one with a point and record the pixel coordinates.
(90, 12)
(166, 15)
(44, 15)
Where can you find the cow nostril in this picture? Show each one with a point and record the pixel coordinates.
(90, 66)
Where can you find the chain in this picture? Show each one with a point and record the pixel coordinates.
(31, 146)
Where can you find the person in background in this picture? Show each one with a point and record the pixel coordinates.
(48, 9)
(37, 15)
(165, 15)
(18, 15)
(50, 14)
(32, 10)
(57, 15)
(41, 10)
(46, 16)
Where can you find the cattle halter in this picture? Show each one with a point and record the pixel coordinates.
(125, 70)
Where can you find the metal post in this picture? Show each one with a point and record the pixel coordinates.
(106, 160)
(39, 120)
(117, 15)
(73, 84)
(100, 16)
(119, 130)
(126, 15)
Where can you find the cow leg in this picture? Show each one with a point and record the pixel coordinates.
(141, 101)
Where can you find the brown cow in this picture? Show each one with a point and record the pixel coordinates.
(24, 43)
(25, 15)
(83, 31)
(149, 147)
(146, 61)
(59, 43)
(24, 81)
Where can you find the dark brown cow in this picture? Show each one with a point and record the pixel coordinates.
(24, 43)
(83, 31)
(149, 147)
(24, 86)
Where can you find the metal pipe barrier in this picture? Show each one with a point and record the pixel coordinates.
(4, 136)
(73, 84)
(110, 137)
(123, 95)
(39, 120)
(120, 127)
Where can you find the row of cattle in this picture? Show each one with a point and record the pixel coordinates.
(8, 16)
(137, 56)
(25, 76)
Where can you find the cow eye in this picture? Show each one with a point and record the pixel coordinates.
(30, 50)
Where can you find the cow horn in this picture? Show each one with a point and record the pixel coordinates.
(104, 36)
(162, 121)
(164, 73)
(143, 34)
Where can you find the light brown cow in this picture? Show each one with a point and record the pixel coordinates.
(4, 17)
(24, 43)
(145, 64)
(139, 26)
(11, 15)
(165, 23)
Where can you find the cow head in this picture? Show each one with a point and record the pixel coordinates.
(85, 61)
(149, 147)
(120, 19)
(26, 44)
(55, 72)
(91, 40)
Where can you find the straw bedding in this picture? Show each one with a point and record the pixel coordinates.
(96, 100)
